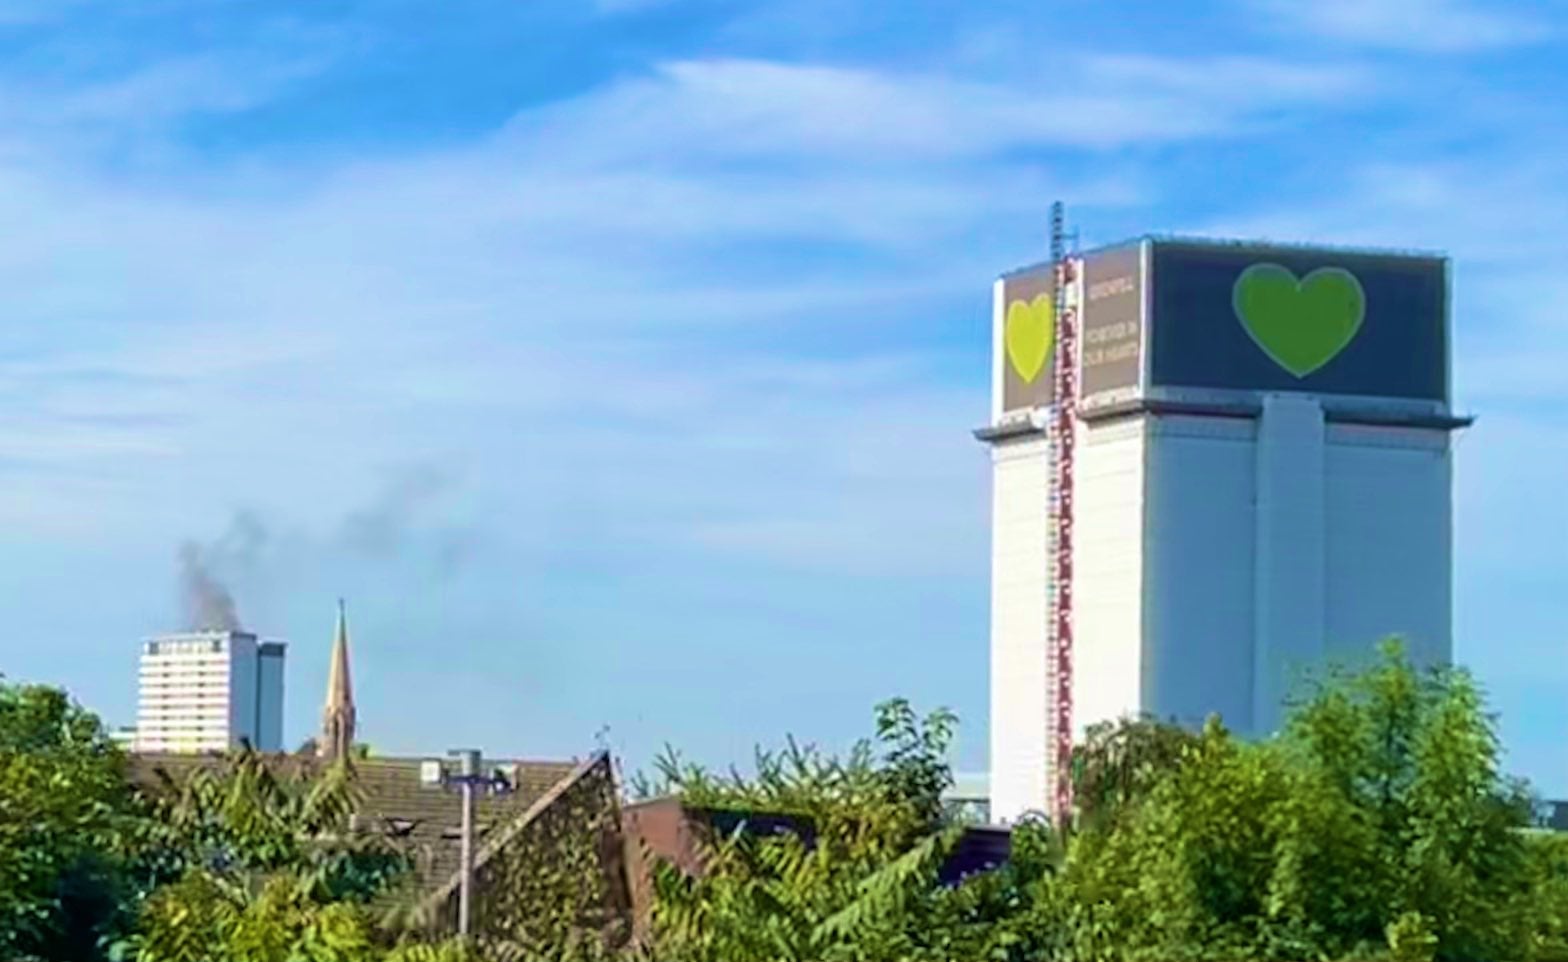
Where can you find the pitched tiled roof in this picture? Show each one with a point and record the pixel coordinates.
(425, 821)
(487, 846)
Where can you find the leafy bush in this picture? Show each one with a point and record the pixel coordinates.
(66, 825)
(1378, 825)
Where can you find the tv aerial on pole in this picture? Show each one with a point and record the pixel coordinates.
(471, 781)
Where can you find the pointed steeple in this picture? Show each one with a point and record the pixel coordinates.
(337, 717)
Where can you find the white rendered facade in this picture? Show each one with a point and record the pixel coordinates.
(1217, 556)
(210, 691)
(1215, 559)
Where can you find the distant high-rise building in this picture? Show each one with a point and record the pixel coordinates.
(208, 691)
(337, 716)
(1260, 481)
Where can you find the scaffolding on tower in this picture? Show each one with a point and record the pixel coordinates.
(1062, 436)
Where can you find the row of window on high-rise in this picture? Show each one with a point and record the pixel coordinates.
(184, 646)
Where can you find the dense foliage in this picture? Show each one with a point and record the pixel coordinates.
(261, 864)
(1376, 825)
(549, 890)
(66, 822)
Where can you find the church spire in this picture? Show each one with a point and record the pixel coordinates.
(337, 717)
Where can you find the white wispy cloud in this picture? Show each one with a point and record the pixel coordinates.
(627, 6)
(571, 277)
(177, 89)
(1425, 26)
(740, 109)
(711, 315)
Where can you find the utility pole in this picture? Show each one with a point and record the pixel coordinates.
(470, 781)
(468, 767)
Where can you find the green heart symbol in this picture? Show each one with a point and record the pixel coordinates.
(1029, 331)
(1301, 324)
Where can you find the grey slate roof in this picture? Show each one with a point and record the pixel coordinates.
(424, 821)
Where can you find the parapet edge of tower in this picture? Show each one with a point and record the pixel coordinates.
(1007, 430)
(1389, 417)
(1192, 240)
(203, 634)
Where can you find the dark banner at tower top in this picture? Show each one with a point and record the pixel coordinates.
(1197, 321)
(1026, 310)
(1321, 321)
(1111, 330)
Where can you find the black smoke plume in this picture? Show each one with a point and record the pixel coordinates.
(205, 570)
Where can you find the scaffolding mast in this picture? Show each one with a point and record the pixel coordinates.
(1064, 416)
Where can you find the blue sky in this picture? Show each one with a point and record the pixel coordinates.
(617, 360)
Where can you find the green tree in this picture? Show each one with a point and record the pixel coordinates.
(200, 918)
(1186, 873)
(66, 813)
(1547, 860)
(1378, 821)
(1120, 762)
(261, 866)
(1405, 764)
(875, 844)
(1377, 825)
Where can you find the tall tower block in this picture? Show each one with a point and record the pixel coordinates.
(1262, 480)
(209, 691)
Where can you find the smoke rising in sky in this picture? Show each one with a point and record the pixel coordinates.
(206, 571)
(400, 520)
(397, 522)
